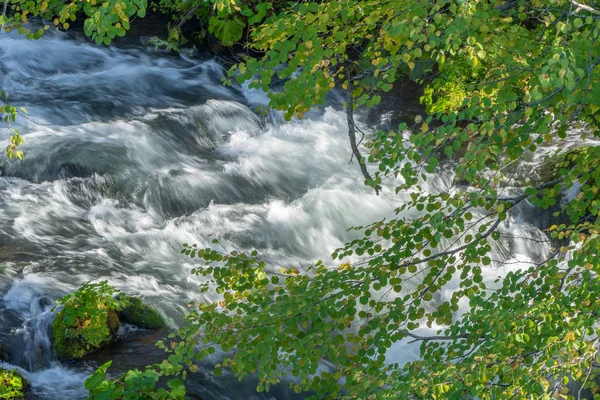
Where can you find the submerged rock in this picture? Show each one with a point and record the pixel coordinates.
(142, 315)
(12, 385)
(72, 347)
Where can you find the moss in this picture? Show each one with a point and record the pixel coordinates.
(139, 314)
(12, 385)
(68, 348)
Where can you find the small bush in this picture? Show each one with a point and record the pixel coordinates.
(12, 385)
(87, 321)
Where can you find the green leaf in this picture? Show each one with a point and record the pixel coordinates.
(177, 387)
(97, 377)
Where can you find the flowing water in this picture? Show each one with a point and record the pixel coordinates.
(129, 154)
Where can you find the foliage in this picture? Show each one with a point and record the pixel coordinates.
(140, 314)
(103, 20)
(135, 384)
(9, 114)
(507, 80)
(150, 383)
(12, 385)
(87, 321)
(227, 20)
(174, 41)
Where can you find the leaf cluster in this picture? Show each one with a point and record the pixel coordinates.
(84, 313)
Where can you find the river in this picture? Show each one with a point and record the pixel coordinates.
(129, 154)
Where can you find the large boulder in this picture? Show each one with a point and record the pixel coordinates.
(142, 315)
(12, 385)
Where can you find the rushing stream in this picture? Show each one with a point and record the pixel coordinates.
(129, 154)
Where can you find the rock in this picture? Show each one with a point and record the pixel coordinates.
(12, 385)
(142, 315)
(69, 348)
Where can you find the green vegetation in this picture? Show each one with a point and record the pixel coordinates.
(140, 314)
(500, 79)
(9, 114)
(87, 321)
(12, 385)
(137, 385)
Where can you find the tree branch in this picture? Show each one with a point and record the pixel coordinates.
(507, 6)
(4, 12)
(435, 337)
(352, 135)
(587, 8)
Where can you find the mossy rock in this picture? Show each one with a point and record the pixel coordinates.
(142, 315)
(68, 348)
(12, 385)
